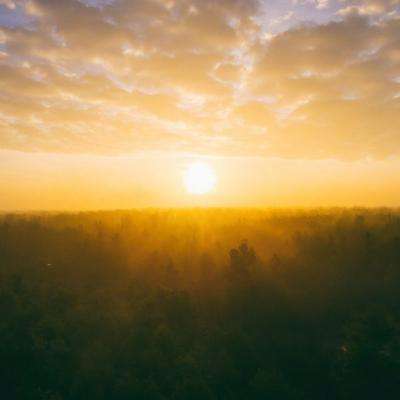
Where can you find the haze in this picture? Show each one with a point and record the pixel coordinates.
(104, 104)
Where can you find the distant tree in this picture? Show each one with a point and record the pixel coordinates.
(242, 259)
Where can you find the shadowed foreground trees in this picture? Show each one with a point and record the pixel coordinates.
(176, 305)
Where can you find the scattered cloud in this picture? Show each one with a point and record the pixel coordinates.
(117, 76)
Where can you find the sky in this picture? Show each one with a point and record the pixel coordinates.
(104, 103)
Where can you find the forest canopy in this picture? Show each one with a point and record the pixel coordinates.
(200, 304)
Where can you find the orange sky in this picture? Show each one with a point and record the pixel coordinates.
(104, 103)
(73, 182)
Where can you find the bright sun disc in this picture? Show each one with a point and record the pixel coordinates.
(199, 178)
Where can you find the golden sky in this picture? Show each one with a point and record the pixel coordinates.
(103, 104)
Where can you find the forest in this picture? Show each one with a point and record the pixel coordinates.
(207, 304)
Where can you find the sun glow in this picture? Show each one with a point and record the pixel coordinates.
(199, 178)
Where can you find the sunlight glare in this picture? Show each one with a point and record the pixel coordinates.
(199, 178)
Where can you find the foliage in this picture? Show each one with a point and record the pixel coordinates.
(200, 304)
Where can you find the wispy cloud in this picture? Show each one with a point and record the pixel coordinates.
(199, 76)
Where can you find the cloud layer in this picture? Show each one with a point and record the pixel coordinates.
(304, 79)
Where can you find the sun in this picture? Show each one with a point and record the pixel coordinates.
(199, 178)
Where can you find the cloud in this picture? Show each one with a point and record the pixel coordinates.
(197, 76)
(369, 7)
(8, 3)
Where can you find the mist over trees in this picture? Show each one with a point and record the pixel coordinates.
(200, 304)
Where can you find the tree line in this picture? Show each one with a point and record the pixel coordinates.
(200, 304)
